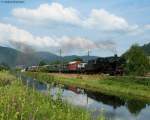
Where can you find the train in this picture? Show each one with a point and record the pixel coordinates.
(106, 65)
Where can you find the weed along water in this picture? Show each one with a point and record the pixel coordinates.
(21, 102)
(111, 107)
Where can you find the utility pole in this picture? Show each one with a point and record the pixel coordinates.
(60, 52)
(88, 54)
(60, 66)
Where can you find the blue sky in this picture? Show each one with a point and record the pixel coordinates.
(104, 27)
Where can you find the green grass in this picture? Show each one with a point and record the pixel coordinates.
(6, 79)
(17, 102)
(125, 87)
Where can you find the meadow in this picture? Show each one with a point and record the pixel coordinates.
(18, 102)
(127, 87)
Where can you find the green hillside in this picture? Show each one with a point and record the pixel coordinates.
(14, 57)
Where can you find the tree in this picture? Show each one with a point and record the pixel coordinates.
(77, 59)
(57, 62)
(137, 63)
(42, 63)
(146, 49)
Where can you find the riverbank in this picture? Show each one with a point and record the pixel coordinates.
(124, 87)
(18, 102)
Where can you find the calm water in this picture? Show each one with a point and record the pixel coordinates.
(113, 107)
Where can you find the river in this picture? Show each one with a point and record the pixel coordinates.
(113, 108)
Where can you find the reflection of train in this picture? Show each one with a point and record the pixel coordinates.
(108, 65)
(134, 106)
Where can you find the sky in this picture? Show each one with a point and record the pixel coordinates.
(104, 27)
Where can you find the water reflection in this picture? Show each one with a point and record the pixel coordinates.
(105, 99)
(114, 108)
(135, 106)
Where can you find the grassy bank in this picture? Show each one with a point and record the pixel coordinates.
(126, 87)
(17, 102)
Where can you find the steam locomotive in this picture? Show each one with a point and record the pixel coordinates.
(107, 65)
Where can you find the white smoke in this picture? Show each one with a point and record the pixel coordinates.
(25, 41)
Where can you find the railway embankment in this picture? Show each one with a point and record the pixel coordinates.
(129, 87)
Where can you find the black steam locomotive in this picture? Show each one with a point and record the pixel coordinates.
(108, 65)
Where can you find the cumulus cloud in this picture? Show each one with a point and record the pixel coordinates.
(21, 39)
(103, 20)
(147, 27)
(46, 12)
(97, 19)
(11, 34)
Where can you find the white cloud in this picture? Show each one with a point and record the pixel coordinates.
(20, 38)
(103, 20)
(46, 12)
(147, 27)
(12, 34)
(98, 18)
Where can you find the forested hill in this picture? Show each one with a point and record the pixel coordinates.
(14, 57)
(146, 48)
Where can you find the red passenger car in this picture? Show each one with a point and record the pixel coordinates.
(73, 66)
